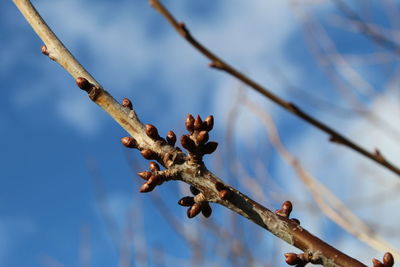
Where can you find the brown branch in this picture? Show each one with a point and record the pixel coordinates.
(189, 169)
(329, 204)
(218, 63)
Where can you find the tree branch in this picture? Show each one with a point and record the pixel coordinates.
(188, 168)
(218, 63)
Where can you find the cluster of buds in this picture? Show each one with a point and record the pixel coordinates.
(196, 204)
(152, 132)
(285, 211)
(300, 260)
(196, 143)
(153, 177)
(388, 261)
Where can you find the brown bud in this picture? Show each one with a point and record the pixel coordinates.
(208, 123)
(198, 123)
(153, 166)
(188, 143)
(189, 123)
(388, 259)
(149, 154)
(129, 142)
(194, 190)
(84, 84)
(287, 207)
(155, 180)
(210, 147)
(194, 210)
(171, 138)
(292, 259)
(146, 187)
(44, 50)
(206, 210)
(202, 137)
(126, 103)
(377, 263)
(152, 132)
(225, 194)
(285, 210)
(186, 201)
(145, 175)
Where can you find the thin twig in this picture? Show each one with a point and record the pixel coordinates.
(176, 163)
(367, 30)
(218, 63)
(335, 209)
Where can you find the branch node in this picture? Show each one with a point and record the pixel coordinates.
(94, 93)
(183, 30)
(223, 192)
(216, 65)
(378, 155)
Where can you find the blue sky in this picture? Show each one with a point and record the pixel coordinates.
(59, 150)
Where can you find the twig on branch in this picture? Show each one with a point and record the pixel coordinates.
(218, 63)
(329, 204)
(179, 166)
